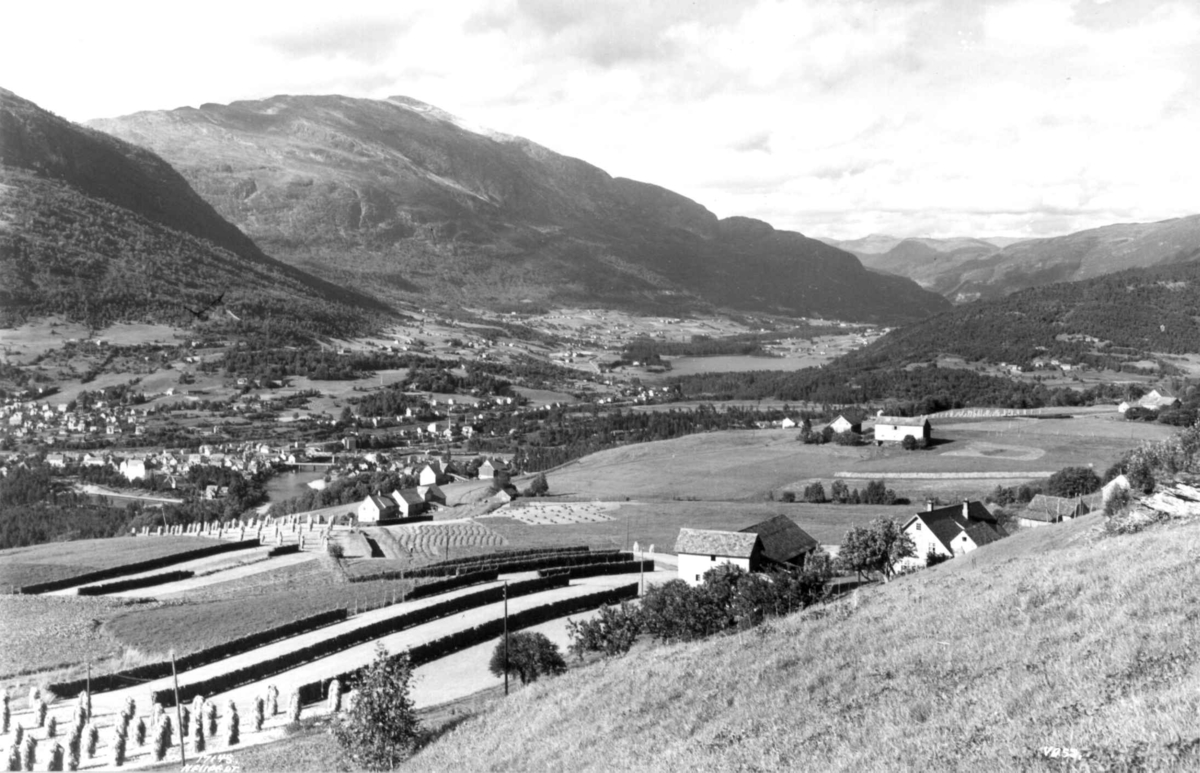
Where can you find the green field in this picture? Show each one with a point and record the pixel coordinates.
(61, 560)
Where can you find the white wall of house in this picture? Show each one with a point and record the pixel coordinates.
(897, 432)
(692, 567)
(923, 539)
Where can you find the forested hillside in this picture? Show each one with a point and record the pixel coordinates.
(100, 230)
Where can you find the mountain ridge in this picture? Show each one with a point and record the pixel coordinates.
(396, 195)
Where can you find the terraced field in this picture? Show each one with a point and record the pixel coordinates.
(428, 540)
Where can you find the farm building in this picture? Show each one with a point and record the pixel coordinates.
(409, 502)
(1044, 509)
(1157, 399)
(432, 495)
(432, 474)
(490, 467)
(950, 531)
(783, 541)
(375, 508)
(850, 421)
(702, 549)
(895, 428)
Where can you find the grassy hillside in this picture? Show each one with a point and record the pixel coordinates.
(1057, 637)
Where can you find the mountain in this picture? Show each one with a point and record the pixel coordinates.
(968, 269)
(402, 200)
(1108, 321)
(97, 228)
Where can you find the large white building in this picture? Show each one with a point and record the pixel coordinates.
(701, 549)
(896, 428)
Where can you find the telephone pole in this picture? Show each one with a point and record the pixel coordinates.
(178, 712)
(506, 638)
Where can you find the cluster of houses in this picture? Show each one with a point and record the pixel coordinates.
(26, 419)
(427, 495)
(887, 429)
(1154, 400)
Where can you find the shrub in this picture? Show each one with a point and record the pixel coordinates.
(52, 728)
(335, 549)
(258, 713)
(5, 713)
(198, 708)
(35, 694)
(130, 708)
(815, 493)
(14, 758)
(613, 632)
(56, 758)
(39, 713)
(294, 708)
(272, 700)
(380, 727)
(933, 557)
(210, 713)
(198, 743)
(909, 443)
(185, 717)
(139, 732)
(529, 655)
(787, 496)
(18, 735)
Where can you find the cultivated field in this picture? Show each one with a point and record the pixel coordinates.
(61, 560)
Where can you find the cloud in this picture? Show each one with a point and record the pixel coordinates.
(365, 40)
(759, 141)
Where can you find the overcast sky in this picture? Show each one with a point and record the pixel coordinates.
(836, 119)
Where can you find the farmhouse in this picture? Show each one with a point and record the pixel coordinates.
(950, 531)
(896, 428)
(432, 474)
(133, 469)
(701, 549)
(432, 495)
(490, 467)
(783, 542)
(375, 508)
(1157, 399)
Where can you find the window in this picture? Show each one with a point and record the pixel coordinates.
(697, 578)
(918, 527)
(712, 558)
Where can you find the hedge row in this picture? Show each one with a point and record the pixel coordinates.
(506, 567)
(376, 630)
(594, 570)
(481, 634)
(199, 658)
(138, 566)
(397, 521)
(135, 582)
(283, 550)
(504, 555)
(442, 586)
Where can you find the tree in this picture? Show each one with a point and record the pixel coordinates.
(530, 655)
(1073, 482)
(538, 487)
(877, 548)
(839, 492)
(815, 493)
(381, 728)
(612, 633)
(909, 443)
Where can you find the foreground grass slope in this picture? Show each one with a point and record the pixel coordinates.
(1055, 637)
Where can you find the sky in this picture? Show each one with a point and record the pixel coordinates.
(834, 118)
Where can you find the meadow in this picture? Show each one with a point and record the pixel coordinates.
(1056, 638)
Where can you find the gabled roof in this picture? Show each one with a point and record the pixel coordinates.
(731, 544)
(782, 540)
(903, 421)
(410, 496)
(1044, 507)
(947, 523)
(853, 415)
(944, 527)
(379, 502)
(983, 533)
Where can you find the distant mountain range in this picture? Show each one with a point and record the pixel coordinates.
(100, 229)
(403, 201)
(967, 269)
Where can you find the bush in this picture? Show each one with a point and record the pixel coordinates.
(1073, 482)
(335, 549)
(210, 716)
(91, 736)
(380, 729)
(29, 753)
(39, 713)
(293, 712)
(259, 713)
(232, 725)
(272, 700)
(814, 493)
(613, 632)
(787, 496)
(933, 557)
(528, 655)
(119, 750)
(335, 697)
(56, 758)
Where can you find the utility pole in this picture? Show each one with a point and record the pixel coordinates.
(178, 711)
(506, 638)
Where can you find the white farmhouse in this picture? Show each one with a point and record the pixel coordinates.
(950, 531)
(896, 428)
(701, 549)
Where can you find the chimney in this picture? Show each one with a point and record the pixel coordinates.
(928, 505)
(966, 511)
